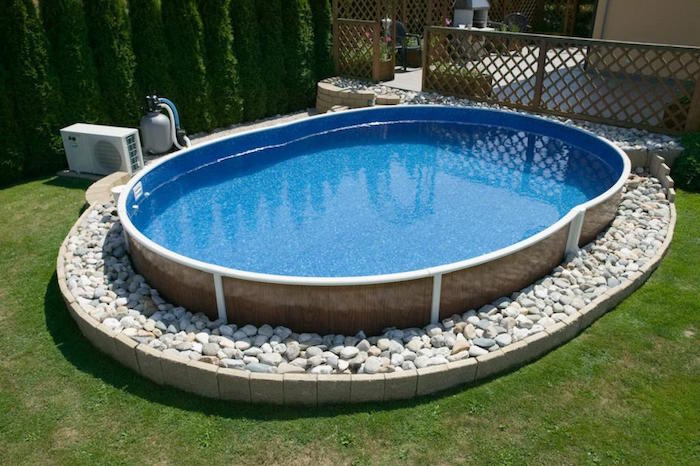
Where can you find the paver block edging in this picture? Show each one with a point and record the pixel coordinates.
(366, 387)
(333, 389)
(149, 363)
(234, 384)
(230, 384)
(267, 388)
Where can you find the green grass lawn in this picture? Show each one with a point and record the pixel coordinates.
(627, 390)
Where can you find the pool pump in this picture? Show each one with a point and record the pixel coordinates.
(158, 132)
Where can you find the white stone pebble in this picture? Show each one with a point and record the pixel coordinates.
(100, 276)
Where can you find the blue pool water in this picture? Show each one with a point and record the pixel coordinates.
(368, 199)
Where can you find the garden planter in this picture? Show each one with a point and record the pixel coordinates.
(385, 71)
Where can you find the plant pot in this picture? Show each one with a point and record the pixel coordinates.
(413, 58)
(385, 71)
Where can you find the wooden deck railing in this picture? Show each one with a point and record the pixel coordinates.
(655, 87)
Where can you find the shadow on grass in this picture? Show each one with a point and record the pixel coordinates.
(68, 182)
(86, 358)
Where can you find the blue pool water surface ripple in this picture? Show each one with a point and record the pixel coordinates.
(372, 199)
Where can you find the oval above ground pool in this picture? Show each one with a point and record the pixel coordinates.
(368, 219)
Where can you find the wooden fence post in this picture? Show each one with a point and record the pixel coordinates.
(335, 39)
(425, 59)
(539, 74)
(570, 17)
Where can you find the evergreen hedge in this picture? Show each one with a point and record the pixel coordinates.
(185, 33)
(110, 38)
(322, 15)
(101, 57)
(222, 67)
(299, 53)
(269, 16)
(11, 150)
(150, 49)
(34, 96)
(69, 52)
(247, 47)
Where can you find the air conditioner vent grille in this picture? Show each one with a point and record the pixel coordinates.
(107, 156)
(134, 162)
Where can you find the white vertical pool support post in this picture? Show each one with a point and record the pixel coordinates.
(220, 301)
(575, 228)
(435, 305)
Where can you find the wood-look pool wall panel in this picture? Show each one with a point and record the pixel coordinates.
(598, 217)
(179, 284)
(473, 287)
(330, 309)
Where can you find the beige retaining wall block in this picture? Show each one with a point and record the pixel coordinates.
(400, 385)
(175, 371)
(266, 388)
(490, 364)
(300, 389)
(99, 335)
(125, 352)
(203, 379)
(432, 379)
(559, 334)
(366, 387)
(333, 389)
(463, 371)
(668, 183)
(655, 162)
(388, 99)
(638, 157)
(234, 384)
(515, 354)
(593, 311)
(149, 363)
(671, 195)
(537, 345)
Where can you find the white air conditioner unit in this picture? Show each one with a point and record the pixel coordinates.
(102, 150)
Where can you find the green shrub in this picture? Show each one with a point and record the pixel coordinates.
(686, 169)
(270, 19)
(110, 39)
(247, 48)
(299, 53)
(69, 51)
(150, 49)
(222, 67)
(185, 35)
(11, 150)
(323, 38)
(34, 95)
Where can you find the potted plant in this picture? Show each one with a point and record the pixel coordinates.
(386, 59)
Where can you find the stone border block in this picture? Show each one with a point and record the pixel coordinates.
(515, 354)
(333, 389)
(366, 387)
(149, 363)
(537, 345)
(300, 389)
(175, 371)
(266, 388)
(593, 311)
(400, 385)
(125, 352)
(203, 379)
(639, 157)
(490, 364)
(234, 384)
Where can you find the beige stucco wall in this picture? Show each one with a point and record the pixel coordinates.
(657, 21)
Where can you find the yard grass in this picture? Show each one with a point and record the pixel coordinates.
(627, 390)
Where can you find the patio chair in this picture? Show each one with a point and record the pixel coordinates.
(403, 43)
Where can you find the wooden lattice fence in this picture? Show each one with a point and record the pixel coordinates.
(363, 37)
(656, 87)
